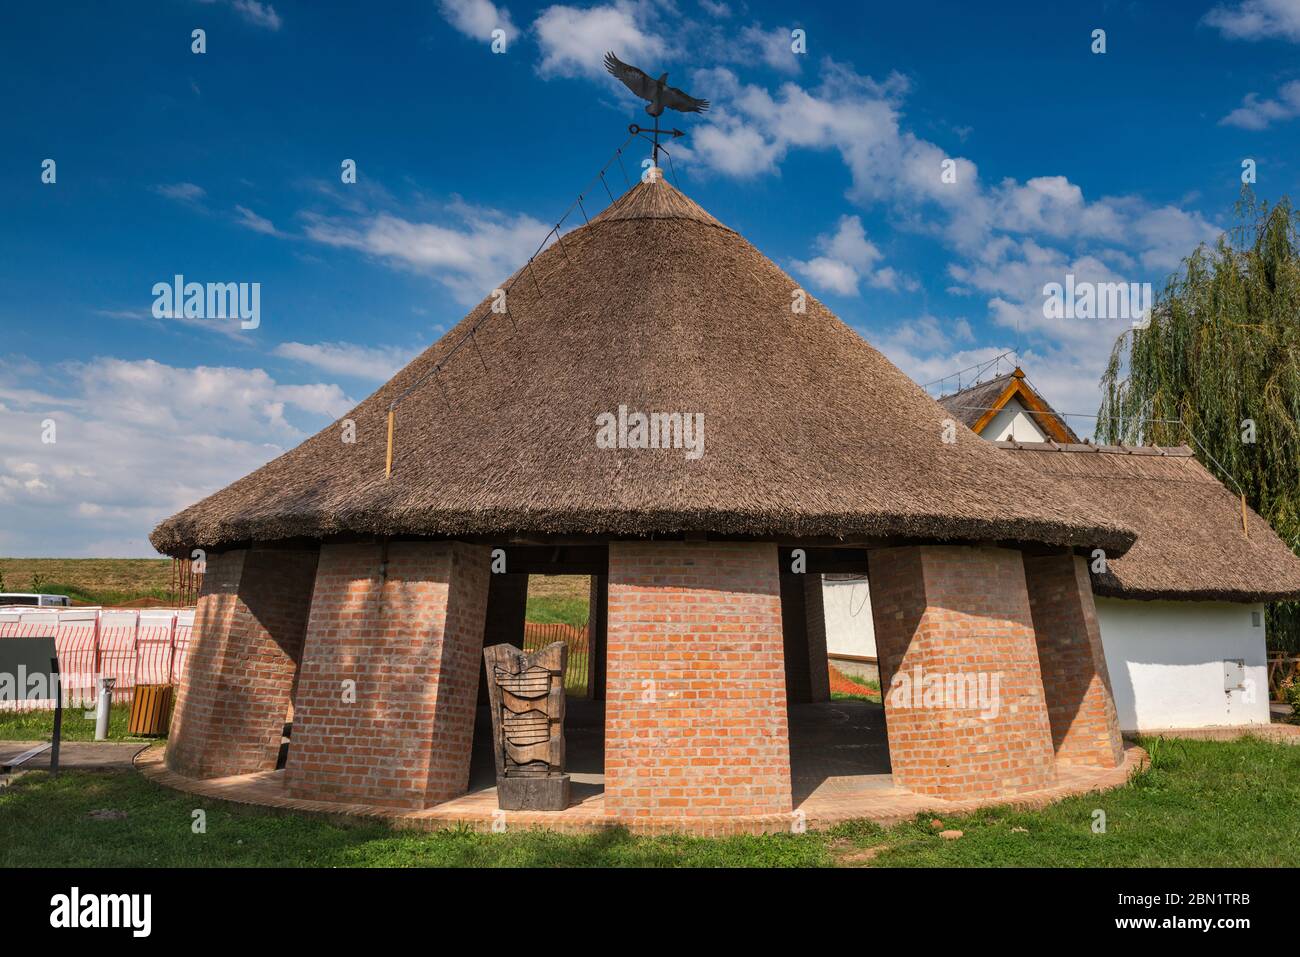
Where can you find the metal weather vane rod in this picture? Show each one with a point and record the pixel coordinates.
(658, 96)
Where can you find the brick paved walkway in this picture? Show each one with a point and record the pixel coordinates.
(840, 765)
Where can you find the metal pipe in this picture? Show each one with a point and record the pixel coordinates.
(102, 707)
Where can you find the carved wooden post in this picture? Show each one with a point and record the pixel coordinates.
(526, 693)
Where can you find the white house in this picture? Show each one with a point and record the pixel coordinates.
(850, 632)
(1181, 614)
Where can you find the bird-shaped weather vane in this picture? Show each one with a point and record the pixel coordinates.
(658, 95)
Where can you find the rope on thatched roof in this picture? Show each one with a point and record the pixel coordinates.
(471, 334)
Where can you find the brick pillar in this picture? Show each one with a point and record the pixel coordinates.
(235, 691)
(964, 705)
(794, 635)
(597, 620)
(1080, 706)
(803, 625)
(403, 627)
(819, 666)
(507, 609)
(695, 716)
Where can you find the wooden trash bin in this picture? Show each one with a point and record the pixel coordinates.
(151, 710)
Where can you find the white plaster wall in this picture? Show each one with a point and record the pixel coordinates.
(1166, 662)
(1013, 423)
(849, 628)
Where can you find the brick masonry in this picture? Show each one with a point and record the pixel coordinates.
(957, 613)
(695, 719)
(406, 624)
(597, 619)
(803, 625)
(235, 693)
(506, 610)
(1080, 705)
(819, 670)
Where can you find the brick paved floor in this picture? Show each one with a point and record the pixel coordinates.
(839, 769)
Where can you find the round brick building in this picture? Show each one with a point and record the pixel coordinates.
(653, 403)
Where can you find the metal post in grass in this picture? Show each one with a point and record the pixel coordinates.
(103, 707)
(58, 714)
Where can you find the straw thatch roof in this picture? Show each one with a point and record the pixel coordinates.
(656, 306)
(976, 405)
(1190, 542)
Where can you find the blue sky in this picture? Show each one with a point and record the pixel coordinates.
(225, 166)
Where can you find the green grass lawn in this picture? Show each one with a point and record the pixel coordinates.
(557, 609)
(1202, 803)
(47, 824)
(39, 725)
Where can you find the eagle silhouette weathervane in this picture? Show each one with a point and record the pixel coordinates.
(657, 94)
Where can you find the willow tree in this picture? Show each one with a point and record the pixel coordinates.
(1218, 369)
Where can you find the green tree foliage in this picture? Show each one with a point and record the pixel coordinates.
(1223, 351)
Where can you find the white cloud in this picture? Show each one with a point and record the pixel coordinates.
(255, 12)
(181, 192)
(574, 40)
(1008, 237)
(348, 359)
(258, 14)
(136, 441)
(258, 224)
(1257, 19)
(1257, 114)
(471, 254)
(848, 258)
(772, 46)
(478, 18)
(1168, 234)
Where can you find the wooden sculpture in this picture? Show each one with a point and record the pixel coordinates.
(526, 693)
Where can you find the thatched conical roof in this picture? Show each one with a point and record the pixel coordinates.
(1191, 542)
(658, 307)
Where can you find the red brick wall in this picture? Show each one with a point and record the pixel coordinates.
(1080, 705)
(409, 632)
(794, 632)
(803, 624)
(506, 609)
(695, 719)
(819, 671)
(961, 612)
(597, 618)
(248, 631)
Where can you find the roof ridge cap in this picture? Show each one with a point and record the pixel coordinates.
(1050, 445)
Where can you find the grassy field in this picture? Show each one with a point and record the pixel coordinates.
(39, 725)
(100, 581)
(558, 599)
(1201, 803)
(114, 581)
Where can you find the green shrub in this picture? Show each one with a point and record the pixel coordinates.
(1291, 693)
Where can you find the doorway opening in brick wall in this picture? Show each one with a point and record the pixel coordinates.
(551, 594)
(836, 727)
